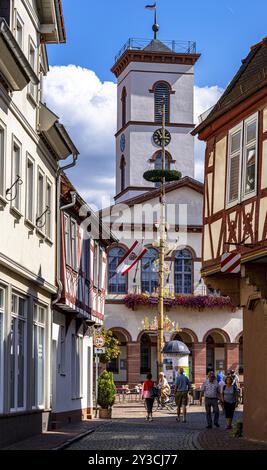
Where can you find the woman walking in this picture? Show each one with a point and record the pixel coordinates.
(148, 396)
(229, 397)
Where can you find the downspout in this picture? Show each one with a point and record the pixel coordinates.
(58, 235)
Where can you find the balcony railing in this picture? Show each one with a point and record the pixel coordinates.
(179, 47)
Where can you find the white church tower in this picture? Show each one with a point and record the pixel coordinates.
(146, 71)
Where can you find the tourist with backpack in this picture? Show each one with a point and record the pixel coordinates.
(229, 399)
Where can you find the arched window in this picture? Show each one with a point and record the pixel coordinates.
(183, 272)
(123, 107)
(158, 164)
(149, 274)
(162, 89)
(116, 282)
(122, 168)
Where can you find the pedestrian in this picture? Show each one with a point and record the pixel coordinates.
(181, 390)
(220, 376)
(147, 394)
(229, 399)
(164, 388)
(211, 391)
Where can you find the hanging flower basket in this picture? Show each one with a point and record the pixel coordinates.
(190, 301)
(156, 176)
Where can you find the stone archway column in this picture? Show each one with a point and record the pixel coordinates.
(133, 362)
(199, 351)
(231, 355)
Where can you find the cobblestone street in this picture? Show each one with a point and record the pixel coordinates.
(128, 430)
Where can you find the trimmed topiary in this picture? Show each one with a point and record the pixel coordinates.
(106, 390)
(155, 176)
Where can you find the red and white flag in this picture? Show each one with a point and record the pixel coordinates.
(135, 253)
(231, 263)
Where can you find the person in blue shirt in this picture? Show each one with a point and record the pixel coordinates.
(181, 390)
(220, 376)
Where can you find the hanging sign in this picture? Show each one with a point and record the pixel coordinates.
(231, 263)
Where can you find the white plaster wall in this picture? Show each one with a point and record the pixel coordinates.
(64, 401)
(30, 30)
(118, 315)
(33, 252)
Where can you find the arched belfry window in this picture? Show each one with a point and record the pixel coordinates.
(123, 107)
(122, 168)
(183, 272)
(149, 271)
(116, 282)
(162, 89)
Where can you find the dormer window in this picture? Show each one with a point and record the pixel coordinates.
(162, 90)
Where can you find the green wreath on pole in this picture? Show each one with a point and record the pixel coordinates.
(156, 176)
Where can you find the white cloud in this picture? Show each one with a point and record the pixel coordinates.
(87, 107)
(205, 98)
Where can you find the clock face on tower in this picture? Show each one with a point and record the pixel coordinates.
(157, 137)
(122, 142)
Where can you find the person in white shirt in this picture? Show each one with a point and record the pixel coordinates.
(211, 391)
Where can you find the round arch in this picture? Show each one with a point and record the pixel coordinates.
(219, 331)
(191, 333)
(185, 247)
(171, 91)
(167, 155)
(121, 330)
(238, 337)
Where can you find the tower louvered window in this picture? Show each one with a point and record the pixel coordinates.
(162, 90)
(123, 107)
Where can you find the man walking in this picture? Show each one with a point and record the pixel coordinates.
(211, 391)
(181, 390)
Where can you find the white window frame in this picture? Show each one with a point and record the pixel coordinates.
(62, 357)
(76, 367)
(19, 21)
(2, 159)
(24, 318)
(243, 147)
(67, 239)
(96, 265)
(37, 325)
(30, 194)
(2, 316)
(38, 209)
(32, 89)
(17, 143)
(49, 214)
(74, 244)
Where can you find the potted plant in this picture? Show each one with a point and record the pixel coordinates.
(106, 394)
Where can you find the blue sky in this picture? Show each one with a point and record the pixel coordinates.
(223, 30)
(81, 89)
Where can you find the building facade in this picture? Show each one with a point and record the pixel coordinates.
(78, 310)
(147, 72)
(33, 145)
(235, 217)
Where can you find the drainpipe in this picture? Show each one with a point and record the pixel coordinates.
(58, 235)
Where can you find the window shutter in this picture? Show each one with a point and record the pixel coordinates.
(161, 90)
(234, 178)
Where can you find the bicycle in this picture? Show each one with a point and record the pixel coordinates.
(170, 404)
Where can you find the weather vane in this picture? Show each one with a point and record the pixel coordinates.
(155, 26)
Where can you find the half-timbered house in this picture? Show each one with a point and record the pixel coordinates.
(235, 216)
(79, 307)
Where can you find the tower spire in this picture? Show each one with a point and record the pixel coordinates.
(155, 26)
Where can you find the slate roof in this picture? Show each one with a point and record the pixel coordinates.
(156, 46)
(251, 77)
